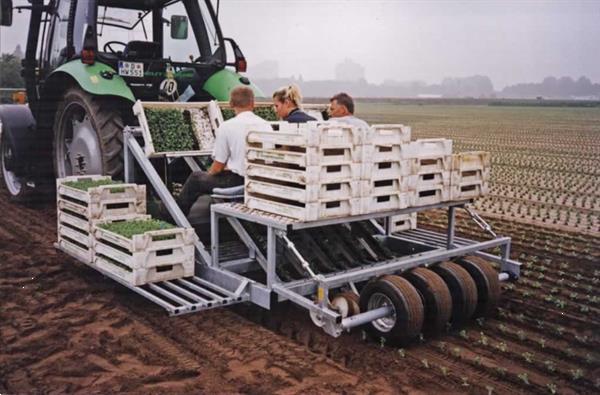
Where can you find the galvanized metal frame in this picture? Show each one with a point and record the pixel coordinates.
(227, 276)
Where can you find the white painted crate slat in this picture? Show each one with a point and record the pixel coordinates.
(306, 212)
(385, 170)
(388, 134)
(139, 277)
(469, 190)
(428, 180)
(433, 195)
(312, 157)
(85, 255)
(202, 123)
(383, 187)
(473, 160)
(403, 222)
(470, 176)
(309, 175)
(308, 194)
(310, 134)
(426, 148)
(395, 201)
(431, 164)
(382, 153)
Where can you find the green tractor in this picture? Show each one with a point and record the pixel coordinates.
(87, 62)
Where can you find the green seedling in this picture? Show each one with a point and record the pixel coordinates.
(552, 388)
(502, 346)
(463, 334)
(128, 229)
(480, 321)
(442, 346)
(550, 366)
(84, 185)
(524, 377)
(521, 335)
(576, 374)
(477, 360)
(444, 370)
(502, 328)
(171, 130)
(569, 352)
(425, 363)
(489, 389)
(456, 352)
(542, 342)
(483, 339)
(559, 330)
(528, 357)
(402, 353)
(584, 309)
(381, 342)
(501, 371)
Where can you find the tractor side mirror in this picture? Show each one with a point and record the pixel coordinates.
(6, 11)
(179, 27)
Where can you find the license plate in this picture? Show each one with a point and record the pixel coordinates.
(131, 69)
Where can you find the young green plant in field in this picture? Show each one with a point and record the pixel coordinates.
(444, 371)
(528, 357)
(550, 366)
(552, 388)
(402, 353)
(489, 389)
(456, 352)
(425, 363)
(524, 377)
(576, 374)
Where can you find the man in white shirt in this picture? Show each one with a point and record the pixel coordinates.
(229, 155)
(341, 109)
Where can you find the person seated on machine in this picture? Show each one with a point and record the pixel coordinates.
(341, 109)
(287, 102)
(229, 155)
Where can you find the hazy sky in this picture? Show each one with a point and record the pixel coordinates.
(510, 41)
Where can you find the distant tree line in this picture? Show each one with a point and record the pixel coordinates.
(10, 72)
(551, 87)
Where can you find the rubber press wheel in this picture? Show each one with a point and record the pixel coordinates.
(346, 303)
(436, 297)
(462, 288)
(488, 285)
(407, 317)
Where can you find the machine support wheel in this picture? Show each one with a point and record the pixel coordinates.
(488, 285)
(436, 297)
(88, 135)
(462, 288)
(346, 303)
(407, 316)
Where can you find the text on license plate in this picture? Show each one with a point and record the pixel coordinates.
(131, 69)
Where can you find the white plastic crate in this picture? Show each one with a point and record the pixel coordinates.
(313, 156)
(433, 195)
(473, 160)
(431, 164)
(145, 257)
(428, 180)
(468, 190)
(470, 176)
(101, 202)
(388, 135)
(427, 148)
(202, 119)
(310, 175)
(383, 187)
(309, 193)
(385, 170)
(305, 212)
(394, 201)
(402, 222)
(381, 153)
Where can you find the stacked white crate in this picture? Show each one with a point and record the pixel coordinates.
(305, 171)
(384, 169)
(470, 175)
(403, 222)
(78, 211)
(430, 161)
(153, 256)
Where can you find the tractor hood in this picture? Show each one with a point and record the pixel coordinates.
(220, 84)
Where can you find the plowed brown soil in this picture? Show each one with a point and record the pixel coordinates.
(66, 328)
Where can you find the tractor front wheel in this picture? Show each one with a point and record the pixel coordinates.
(88, 135)
(17, 186)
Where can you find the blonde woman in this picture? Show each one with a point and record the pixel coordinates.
(287, 102)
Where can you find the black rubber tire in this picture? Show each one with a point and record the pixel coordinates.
(25, 194)
(488, 285)
(106, 116)
(407, 303)
(462, 288)
(436, 298)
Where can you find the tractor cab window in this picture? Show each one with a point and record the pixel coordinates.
(203, 38)
(60, 27)
(117, 27)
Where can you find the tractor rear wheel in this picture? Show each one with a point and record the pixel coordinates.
(406, 320)
(462, 288)
(88, 135)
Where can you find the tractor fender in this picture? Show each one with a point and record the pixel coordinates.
(18, 129)
(96, 79)
(221, 83)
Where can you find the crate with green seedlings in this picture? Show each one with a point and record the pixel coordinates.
(82, 200)
(144, 250)
(175, 128)
(265, 111)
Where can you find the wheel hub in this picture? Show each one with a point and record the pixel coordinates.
(83, 152)
(384, 324)
(12, 181)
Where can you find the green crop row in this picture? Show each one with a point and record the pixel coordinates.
(266, 113)
(171, 130)
(136, 227)
(85, 184)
